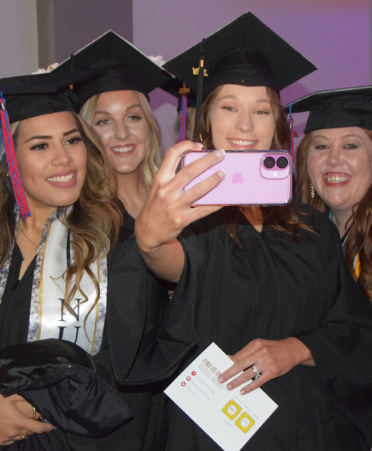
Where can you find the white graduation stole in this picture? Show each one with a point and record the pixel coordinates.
(49, 318)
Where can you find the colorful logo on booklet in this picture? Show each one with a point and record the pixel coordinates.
(232, 410)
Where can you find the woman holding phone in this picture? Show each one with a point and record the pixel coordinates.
(269, 284)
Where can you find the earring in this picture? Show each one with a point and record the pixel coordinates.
(201, 138)
(312, 191)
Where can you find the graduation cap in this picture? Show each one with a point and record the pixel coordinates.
(245, 52)
(29, 96)
(186, 99)
(337, 108)
(34, 95)
(178, 89)
(123, 67)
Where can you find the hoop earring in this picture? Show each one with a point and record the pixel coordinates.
(201, 138)
(312, 191)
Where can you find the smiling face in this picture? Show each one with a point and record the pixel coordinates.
(52, 160)
(241, 118)
(339, 163)
(124, 131)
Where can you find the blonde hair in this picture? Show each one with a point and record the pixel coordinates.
(154, 154)
(94, 220)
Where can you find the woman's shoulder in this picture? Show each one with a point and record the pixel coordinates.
(317, 223)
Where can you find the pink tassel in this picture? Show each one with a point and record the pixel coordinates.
(182, 132)
(15, 177)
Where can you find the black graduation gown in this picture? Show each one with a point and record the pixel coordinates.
(273, 287)
(144, 340)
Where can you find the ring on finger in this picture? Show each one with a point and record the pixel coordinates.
(257, 374)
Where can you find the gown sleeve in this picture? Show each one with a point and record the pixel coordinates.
(342, 343)
(148, 334)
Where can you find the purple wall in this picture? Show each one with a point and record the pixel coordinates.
(333, 34)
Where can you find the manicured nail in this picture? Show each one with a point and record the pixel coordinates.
(228, 386)
(198, 145)
(221, 380)
(220, 152)
(221, 173)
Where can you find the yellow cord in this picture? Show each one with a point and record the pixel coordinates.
(357, 267)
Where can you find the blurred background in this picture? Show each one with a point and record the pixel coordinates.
(333, 34)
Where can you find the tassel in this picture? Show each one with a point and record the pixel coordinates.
(199, 90)
(7, 142)
(182, 129)
(291, 121)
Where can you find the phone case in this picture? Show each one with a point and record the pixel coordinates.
(249, 178)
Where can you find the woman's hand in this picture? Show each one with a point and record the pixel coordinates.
(270, 358)
(168, 209)
(17, 420)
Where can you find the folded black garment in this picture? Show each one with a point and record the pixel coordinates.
(59, 379)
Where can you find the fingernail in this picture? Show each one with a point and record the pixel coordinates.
(198, 145)
(220, 152)
(221, 380)
(242, 391)
(228, 386)
(221, 173)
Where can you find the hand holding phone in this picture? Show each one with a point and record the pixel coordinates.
(253, 178)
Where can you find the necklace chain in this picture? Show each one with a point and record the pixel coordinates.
(19, 228)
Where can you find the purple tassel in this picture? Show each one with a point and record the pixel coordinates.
(7, 141)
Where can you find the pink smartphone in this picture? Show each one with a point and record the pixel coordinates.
(261, 177)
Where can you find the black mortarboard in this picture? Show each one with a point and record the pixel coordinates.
(337, 108)
(29, 96)
(245, 52)
(177, 88)
(123, 67)
(35, 95)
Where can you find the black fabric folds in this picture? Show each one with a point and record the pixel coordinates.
(348, 112)
(336, 108)
(241, 66)
(59, 379)
(271, 286)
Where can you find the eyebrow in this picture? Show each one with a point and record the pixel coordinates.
(51, 137)
(347, 135)
(236, 98)
(130, 107)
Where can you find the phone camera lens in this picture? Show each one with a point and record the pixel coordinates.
(269, 162)
(282, 162)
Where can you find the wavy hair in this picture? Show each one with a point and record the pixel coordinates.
(359, 240)
(94, 220)
(285, 218)
(154, 154)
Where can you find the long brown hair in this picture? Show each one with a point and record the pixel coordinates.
(94, 221)
(284, 218)
(359, 240)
